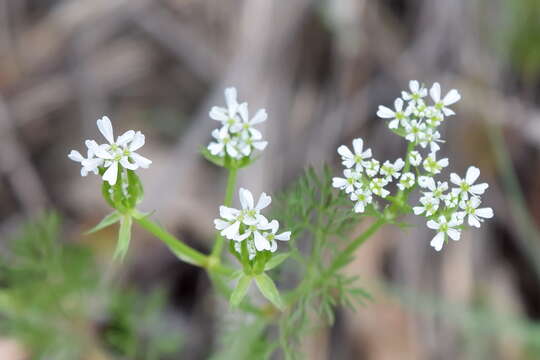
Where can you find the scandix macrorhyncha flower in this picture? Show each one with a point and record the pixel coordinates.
(112, 155)
(417, 121)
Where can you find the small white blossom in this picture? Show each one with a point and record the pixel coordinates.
(475, 215)
(429, 206)
(224, 144)
(266, 240)
(415, 158)
(417, 92)
(406, 181)
(350, 159)
(392, 170)
(227, 115)
(466, 185)
(89, 164)
(452, 97)
(372, 167)
(437, 191)
(377, 187)
(415, 131)
(444, 228)
(398, 116)
(431, 137)
(434, 117)
(351, 180)
(361, 197)
(434, 166)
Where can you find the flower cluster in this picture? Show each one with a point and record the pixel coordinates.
(364, 176)
(113, 155)
(249, 225)
(416, 120)
(237, 136)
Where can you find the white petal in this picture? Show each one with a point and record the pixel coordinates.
(140, 160)
(358, 145)
(385, 112)
(443, 162)
(124, 161)
(244, 112)
(260, 242)
(435, 92)
(137, 142)
(105, 127)
(452, 97)
(478, 189)
(284, 236)
(394, 124)
(215, 148)
(437, 242)
(231, 231)
(338, 182)
(75, 156)
(218, 113)
(454, 234)
(264, 201)
(472, 174)
(486, 213)
(259, 117)
(112, 173)
(414, 85)
(398, 104)
(220, 224)
(432, 224)
(455, 179)
(228, 212)
(125, 137)
(231, 99)
(418, 210)
(260, 145)
(473, 221)
(345, 152)
(246, 199)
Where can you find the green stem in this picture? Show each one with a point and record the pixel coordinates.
(231, 183)
(180, 249)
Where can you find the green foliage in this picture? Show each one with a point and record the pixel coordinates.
(126, 193)
(124, 237)
(107, 221)
(51, 296)
(240, 290)
(268, 289)
(227, 161)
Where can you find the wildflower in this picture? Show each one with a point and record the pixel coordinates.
(444, 228)
(466, 185)
(434, 117)
(357, 158)
(372, 167)
(230, 221)
(392, 170)
(475, 215)
(228, 115)
(267, 240)
(377, 187)
(415, 131)
(89, 164)
(431, 138)
(437, 191)
(406, 181)
(224, 144)
(351, 180)
(429, 205)
(361, 197)
(434, 166)
(452, 97)
(398, 116)
(417, 92)
(251, 211)
(415, 158)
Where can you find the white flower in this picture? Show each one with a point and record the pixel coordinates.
(431, 138)
(228, 116)
(476, 216)
(250, 211)
(392, 170)
(429, 205)
(377, 187)
(361, 197)
(121, 151)
(417, 92)
(249, 142)
(357, 158)
(415, 158)
(418, 109)
(266, 240)
(230, 221)
(443, 228)
(397, 116)
(415, 131)
(89, 164)
(434, 166)
(247, 124)
(452, 97)
(451, 199)
(406, 181)
(371, 167)
(437, 191)
(224, 144)
(351, 180)
(434, 117)
(467, 185)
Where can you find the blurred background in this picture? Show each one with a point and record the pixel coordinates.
(320, 68)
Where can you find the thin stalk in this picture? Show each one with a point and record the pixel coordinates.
(231, 184)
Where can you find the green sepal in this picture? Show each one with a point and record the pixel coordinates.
(268, 289)
(124, 237)
(126, 194)
(107, 221)
(227, 161)
(240, 290)
(275, 261)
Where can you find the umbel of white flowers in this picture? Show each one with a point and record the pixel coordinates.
(112, 154)
(237, 136)
(248, 224)
(417, 121)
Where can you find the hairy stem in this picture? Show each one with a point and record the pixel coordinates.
(231, 183)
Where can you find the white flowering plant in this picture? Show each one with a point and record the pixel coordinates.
(315, 217)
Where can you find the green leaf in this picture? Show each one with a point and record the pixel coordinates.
(240, 290)
(124, 236)
(108, 220)
(276, 260)
(268, 289)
